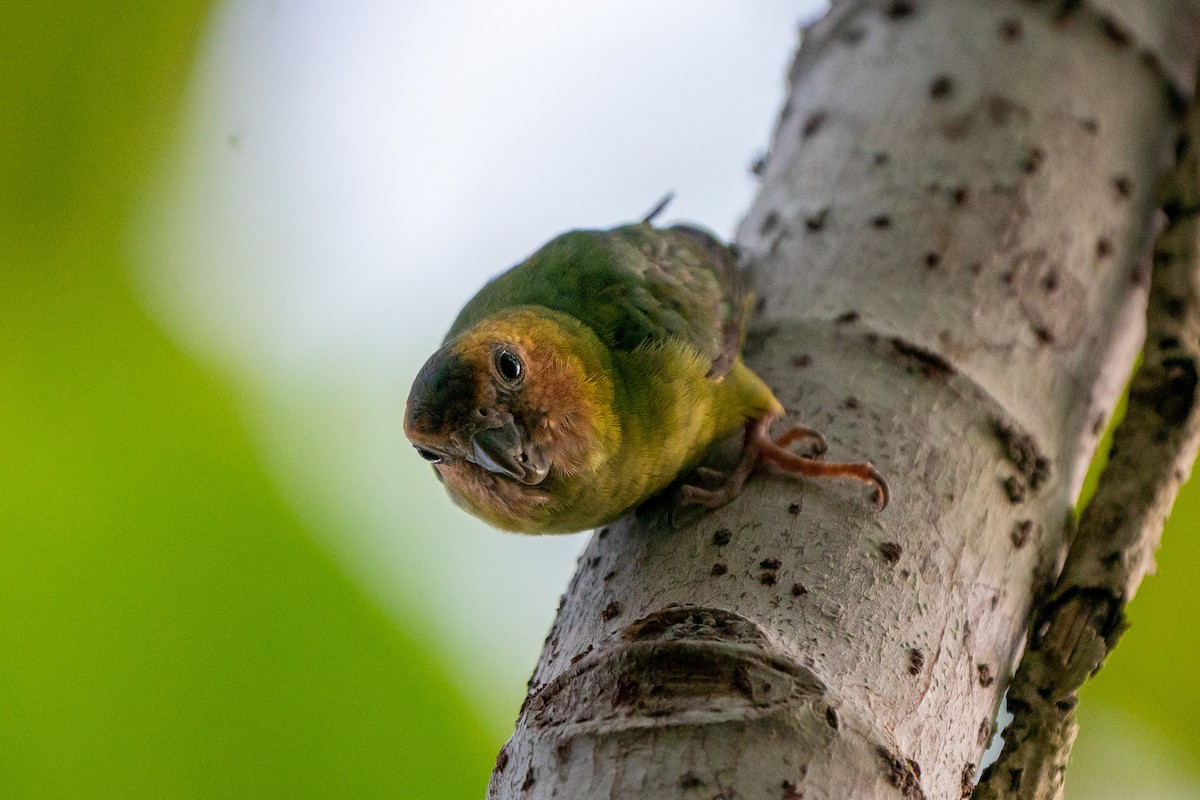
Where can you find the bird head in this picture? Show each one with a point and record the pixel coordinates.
(507, 408)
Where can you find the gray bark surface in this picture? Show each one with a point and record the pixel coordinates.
(949, 246)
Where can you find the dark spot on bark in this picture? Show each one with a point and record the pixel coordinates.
(890, 551)
(986, 678)
(900, 773)
(1149, 60)
(801, 361)
(916, 661)
(1043, 334)
(880, 158)
(770, 563)
(899, 9)
(769, 223)
(1174, 306)
(790, 792)
(1168, 343)
(799, 590)
(881, 221)
(1010, 29)
(722, 537)
(1001, 109)
(563, 751)
(1014, 489)
(1090, 126)
(852, 403)
(1021, 450)
(582, 654)
(1174, 210)
(608, 576)
(813, 123)
(930, 364)
(1113, 31)
(1050, 280)
(529, 781)
(816, 222)
(1181, 146)
(1176, 102)
(831, 717)
(967, 783)
(1065, 9)
(794, 509)
(1122, 186)
(501, 759)
(759, 165)
(603, 532)
(719, 569)
(1067, 704)
(975, 268)
(853, 35)
(960, 195)
(941, 87)
(690, 780)
(1104, 247)
(611, 611)
(593, 562)
(1021, 533)
(1033, 161)
(768, 579)
(932, 260)
(1173, 397)
(847, 317)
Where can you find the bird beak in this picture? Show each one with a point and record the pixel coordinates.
(503, 450)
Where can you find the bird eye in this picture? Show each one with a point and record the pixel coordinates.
(509, 366)
(429, 455)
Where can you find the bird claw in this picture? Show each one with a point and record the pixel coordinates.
(691, 495)
(760, 449)
(799, 433)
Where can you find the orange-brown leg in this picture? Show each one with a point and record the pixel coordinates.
(798, 432)
(759, 449)
(730, 485)
(771, 453)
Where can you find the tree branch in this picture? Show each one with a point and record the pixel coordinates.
(1153, 450)
(956, 196)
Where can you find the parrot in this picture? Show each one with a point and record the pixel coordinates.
(587, 379)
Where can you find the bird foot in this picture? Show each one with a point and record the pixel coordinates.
(759, 449)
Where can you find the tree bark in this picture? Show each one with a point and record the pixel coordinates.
(950, 249)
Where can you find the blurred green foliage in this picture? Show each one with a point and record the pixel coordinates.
(167, 628)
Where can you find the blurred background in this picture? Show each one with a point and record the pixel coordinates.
(229, 235)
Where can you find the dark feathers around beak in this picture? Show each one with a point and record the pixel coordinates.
(453, 413)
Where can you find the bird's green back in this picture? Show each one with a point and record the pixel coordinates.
(632, 285)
